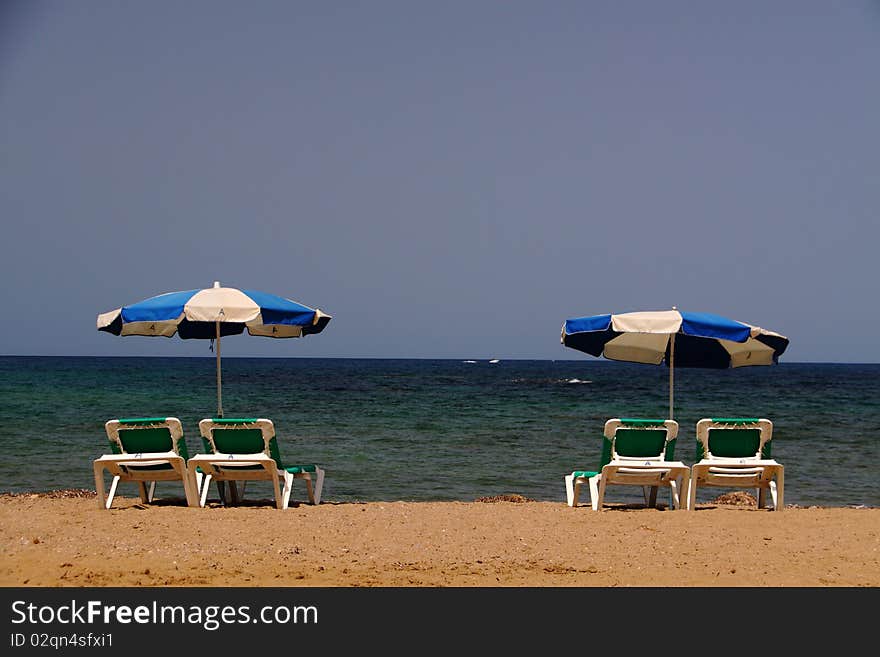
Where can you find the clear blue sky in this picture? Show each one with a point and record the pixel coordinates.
(447, 179)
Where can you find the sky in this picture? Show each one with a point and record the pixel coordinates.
(446, 179)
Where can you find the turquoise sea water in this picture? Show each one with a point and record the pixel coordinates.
(440, 429)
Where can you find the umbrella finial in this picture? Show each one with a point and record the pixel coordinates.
(216, 283)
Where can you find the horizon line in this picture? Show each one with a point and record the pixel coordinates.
(450, 358)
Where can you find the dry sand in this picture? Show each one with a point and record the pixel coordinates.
(65, 539)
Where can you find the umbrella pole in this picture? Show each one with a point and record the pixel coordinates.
(219, 385)
(671, 375)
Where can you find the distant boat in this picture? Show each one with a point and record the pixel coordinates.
(494, 360)
(468, 361)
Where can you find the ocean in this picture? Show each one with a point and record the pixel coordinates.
(440, 430)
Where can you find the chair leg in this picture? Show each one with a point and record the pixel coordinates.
(279, 500)
(206, 484)
(597, 492)
(674, 494)
(221, 491)
(774, 494)
(288, 487)
(779, 499)
(319, 486)
(234, 498)
(112, 493)
(652, 497)
(99, 485)
(572, 490)
(192, 487)
(684, 489)
(692, 494)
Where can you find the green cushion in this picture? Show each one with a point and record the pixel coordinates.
(606, 452)
(147, 438)
(584, 473)
(633, 439)
(639, 442)
(154, 439)
(299, 469)
(736, 442)
(292, 469)
(242, 440)
(246, 440)
(238, 441)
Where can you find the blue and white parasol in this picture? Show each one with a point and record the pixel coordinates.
(212, 313)
(680, 339)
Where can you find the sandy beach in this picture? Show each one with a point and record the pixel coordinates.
(64, 539)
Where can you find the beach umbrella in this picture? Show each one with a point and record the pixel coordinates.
(212, 313)
(676, 338)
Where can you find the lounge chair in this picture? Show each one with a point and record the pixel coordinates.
(246, 449)
(735, 453)
(635, 452)
(145, 450)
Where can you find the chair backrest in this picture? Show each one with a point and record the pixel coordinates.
(639, 438)
(737, 437)
(146, 434)
(241, 436)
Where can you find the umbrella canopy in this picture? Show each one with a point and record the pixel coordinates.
(679, 339)
(212, 313)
